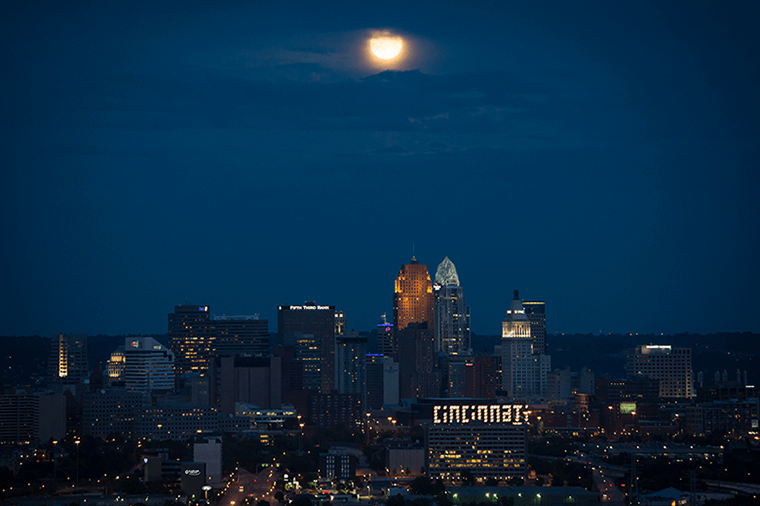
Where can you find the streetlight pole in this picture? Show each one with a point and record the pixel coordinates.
(55, 462)
(77, 443)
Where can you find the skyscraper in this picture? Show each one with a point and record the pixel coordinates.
(191, 339)
(148, 365)
(413, 299)
(385, 338)
(452, 315)
(67, 363)
(535, 310)
(350, 367)
(318, 321)
(523, 374)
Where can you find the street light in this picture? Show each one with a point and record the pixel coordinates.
(77, 443)
(54, 461)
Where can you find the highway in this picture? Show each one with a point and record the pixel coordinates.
(256, 486)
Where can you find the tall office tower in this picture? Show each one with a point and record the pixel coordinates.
(672, 366)
(523, 374)
(318, 321)
(418, 372)
(350, 369)
(452, 315)
(240, 335)
(67, 363)
(191, 339)
(413, 299)
(382, 381)
(148, 365)
(340, 323)
(308, 354)
(535, 310)
(385, 338)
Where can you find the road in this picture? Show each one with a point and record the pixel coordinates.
(257, 486)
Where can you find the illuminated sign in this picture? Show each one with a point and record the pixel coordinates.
(626, 408)
(514, 414)
(202, 308)
(436, 286)
(135, 344)
(321, 308)
(193, 472)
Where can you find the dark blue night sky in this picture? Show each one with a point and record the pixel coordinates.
(601, 156)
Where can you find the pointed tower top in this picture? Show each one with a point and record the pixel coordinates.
(446, 274)
(516, 311)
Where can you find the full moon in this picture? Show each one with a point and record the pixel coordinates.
(386, 47)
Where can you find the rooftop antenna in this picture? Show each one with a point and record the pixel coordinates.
(414, 260)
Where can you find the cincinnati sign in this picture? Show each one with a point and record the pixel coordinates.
(514, 414)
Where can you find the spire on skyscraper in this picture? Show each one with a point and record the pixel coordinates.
(446, 274)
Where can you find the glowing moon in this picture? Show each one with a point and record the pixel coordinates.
(386, 47)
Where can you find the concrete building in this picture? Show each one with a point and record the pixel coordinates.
(418, 372)
(350, 367)
(148, 365)
(337, 465)
(240, 335)
(487, 439)
(672, 366)
(32, 417)
(334, 410)
(382, 381)
(208, 449)
(251, 380)
(112, 411)
(523, 373)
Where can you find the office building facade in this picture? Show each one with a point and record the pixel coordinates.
(419, 375)
(191, 339)
(240, 335)
(413, 300)
(488, 440)
(535, 310)
(67, 363)
(382, 381)
(452, 315)
(523, 373)
(319, 321)
(350, 366)
(672, 366)
(148, 365)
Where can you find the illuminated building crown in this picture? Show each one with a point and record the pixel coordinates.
(446, 274)
(516, 312)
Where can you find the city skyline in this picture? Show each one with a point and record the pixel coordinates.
(599, 157)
